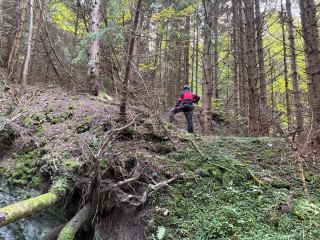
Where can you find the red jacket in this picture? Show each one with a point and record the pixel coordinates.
(187, 98)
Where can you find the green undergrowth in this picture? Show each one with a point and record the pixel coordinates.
(230, 192)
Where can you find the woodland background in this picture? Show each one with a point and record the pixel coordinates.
(254, 62)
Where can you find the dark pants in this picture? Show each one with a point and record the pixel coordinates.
(188, 111)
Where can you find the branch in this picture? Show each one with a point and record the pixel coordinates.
(151, 190)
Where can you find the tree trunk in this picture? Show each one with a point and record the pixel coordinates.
(285, 69)
(206, 79)
(251, 69)
(264, 128)
(13, 58)
(29, 52)
(216, 57)
(235, 57)
(75, 224)
(35, 31)
(243, 94)
(311, 48)
(133, 76)
(95, 86)
(186, 51)
(294, 69)
(123, 103)
(30, 206)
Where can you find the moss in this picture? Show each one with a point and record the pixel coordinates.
(26, 167)
(276, 183)
(66, 233)
(106, 125)
(71, 166)
(35, 181)
(19, 182)
(231, 177)
(68, 115)
(85, 125)
(191, 166)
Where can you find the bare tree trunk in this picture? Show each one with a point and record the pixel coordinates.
(128, 63)
(13, 58)
(186, 51)
(242, 76)
(294, 69)
(94, 82)
(28, 56)
(264, 128)
(216, 56)
(197, 60)
(206, 79)
(311, 38)
(235, 57)
(133, 76)
(35, 31)
(285, 69)
(251, 69)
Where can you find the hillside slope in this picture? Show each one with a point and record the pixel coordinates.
(224, 188)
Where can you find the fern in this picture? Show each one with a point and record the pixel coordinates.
(161, 232)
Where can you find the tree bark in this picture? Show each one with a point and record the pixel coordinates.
(311, 49)
(186, 51)
(95, 86)
(29, 52)
(251, 68)
(286, 81)
(216, 57)
(13, 58)
(243, 93)
(294, 69)
(123, 103)
(235, 57)
(206, 79)
(264, 128)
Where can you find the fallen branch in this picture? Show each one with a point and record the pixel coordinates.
(300, 161)
(198, 149)
(151, 190)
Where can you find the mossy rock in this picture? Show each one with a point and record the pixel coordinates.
(232, 177)
(276, 183)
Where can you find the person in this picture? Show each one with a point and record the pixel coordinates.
(187, 98)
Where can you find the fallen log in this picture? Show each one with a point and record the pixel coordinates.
(75, 224)
(26, 208)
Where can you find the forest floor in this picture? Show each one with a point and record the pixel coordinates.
(226, 187)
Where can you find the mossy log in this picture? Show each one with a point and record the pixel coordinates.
(75, 224)
(26, 208)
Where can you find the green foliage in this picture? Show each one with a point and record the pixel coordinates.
(199, 207)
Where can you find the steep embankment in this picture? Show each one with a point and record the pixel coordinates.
(226, 187)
